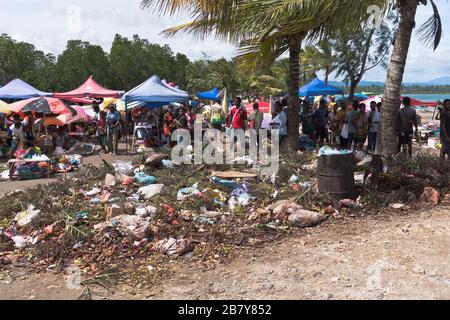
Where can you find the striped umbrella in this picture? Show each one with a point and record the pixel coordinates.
(42, 105)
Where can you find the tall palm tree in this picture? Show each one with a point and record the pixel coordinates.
(264, 30)
(430, 33)
(319, 57)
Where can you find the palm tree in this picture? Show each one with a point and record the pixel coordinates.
(429, 33)
(264, 30)
(319, 57)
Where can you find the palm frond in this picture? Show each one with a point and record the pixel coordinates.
(430, 33)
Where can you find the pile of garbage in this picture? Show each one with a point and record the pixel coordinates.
(126, 212)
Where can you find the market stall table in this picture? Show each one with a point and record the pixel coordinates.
(28, 161)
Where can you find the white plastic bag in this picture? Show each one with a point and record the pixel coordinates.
(124, 167)
(25, 217)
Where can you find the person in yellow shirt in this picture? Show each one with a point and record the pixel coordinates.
(217, 117)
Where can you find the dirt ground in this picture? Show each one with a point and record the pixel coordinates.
(404, 256)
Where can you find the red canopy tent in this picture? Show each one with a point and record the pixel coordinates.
(89, 89)
(263, 107)
(418, 103)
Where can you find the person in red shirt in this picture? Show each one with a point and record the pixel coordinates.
(237, 116)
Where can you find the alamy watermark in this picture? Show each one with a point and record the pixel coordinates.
(212, 146)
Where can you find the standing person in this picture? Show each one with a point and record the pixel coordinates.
(169, 125)
(96, 108)
(445, 130)
(350, 122)
(102, 132)
(256, 118)
(307, 121)
(340, 118)
(373, 120)
(278, 109)
(191, 118)
(182, 120)
(237, 116)
(18, 136)
(29, 126)
(113, 120)
(236, 106)
(407, 121)
(280, 123)
(321, 122)
(333, 125)
(61, 141)
(361, 127)
(217, 118)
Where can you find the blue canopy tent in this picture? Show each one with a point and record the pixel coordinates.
(212, 95)
(154, 93)
(20, 90)
(318, 88)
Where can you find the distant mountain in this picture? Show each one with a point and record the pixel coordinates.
(442, 81)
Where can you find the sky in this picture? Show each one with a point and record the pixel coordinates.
(48, 24)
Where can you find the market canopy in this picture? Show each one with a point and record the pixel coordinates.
(4, 108)
(318, 88)
(155, 92)
(418, 103)
(89, 89)
(20, 90)
(414, 102)
(209, 95)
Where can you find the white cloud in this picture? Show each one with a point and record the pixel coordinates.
(45, 24)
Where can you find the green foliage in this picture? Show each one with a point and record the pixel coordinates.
(79, 61)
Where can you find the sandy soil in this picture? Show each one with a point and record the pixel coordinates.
(385, 257)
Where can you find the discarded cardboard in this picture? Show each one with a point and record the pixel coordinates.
(233, 174)
(112, 211)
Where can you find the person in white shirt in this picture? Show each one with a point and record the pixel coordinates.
(280, 123)
(374, 120)
(18, 135)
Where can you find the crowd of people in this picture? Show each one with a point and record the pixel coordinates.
(323, 122)
(338, 124)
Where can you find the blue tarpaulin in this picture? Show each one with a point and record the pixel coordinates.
(318, 88)
(20, 90)
(154, 92)
(209, 95)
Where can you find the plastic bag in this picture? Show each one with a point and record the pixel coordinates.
(123, 167)
(226, 183)
(144, 179)
(151, 190)
(168, 164)
(25, 217)
(187, 192)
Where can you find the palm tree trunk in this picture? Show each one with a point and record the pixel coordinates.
(327, 74)
(292, 140)
(351, 95)
(392, 92)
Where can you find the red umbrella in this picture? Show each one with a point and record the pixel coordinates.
(81, 116)
(43, 105)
